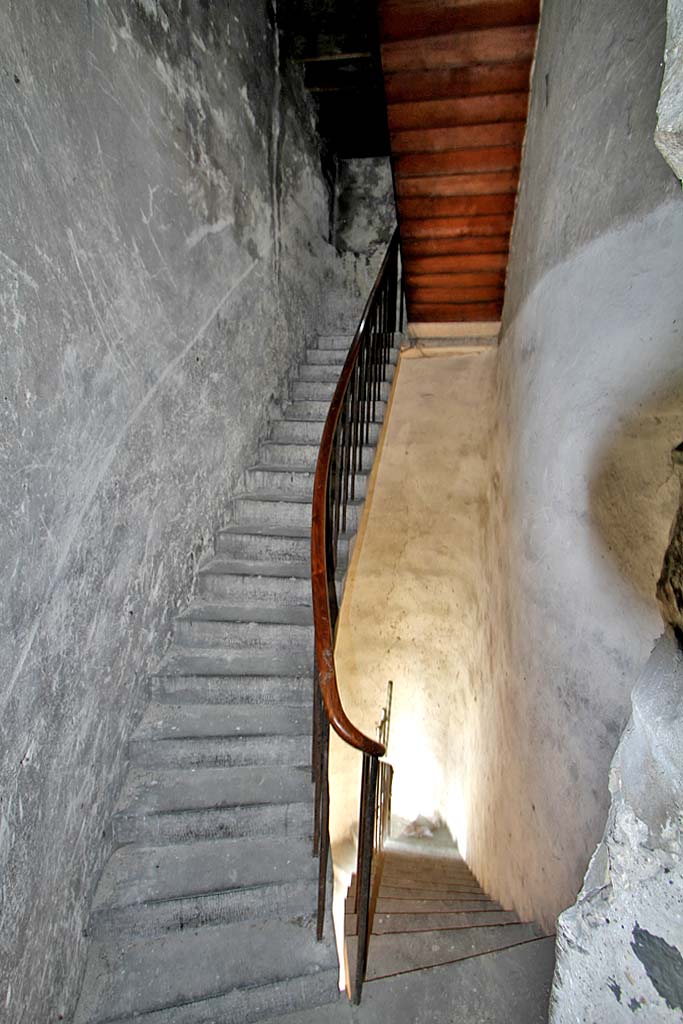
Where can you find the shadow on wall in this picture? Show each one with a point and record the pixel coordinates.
(633, 489)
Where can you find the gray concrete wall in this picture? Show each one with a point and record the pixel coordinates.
(163, 259)
(364, 221)
(590, 403)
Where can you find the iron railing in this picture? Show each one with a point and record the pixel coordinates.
(345, 437)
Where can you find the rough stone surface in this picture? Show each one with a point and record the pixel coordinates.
(670, 582)
(163, 262)
(669, 131)
(590, 391)
(620, 947)
(365, 218)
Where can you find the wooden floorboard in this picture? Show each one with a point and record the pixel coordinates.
(452, 247)
(449, 206)
(475, 80)
(434, 140)
(449, 113)
(455, 227)
(456, 76)
(414, 20)
(498, 158)
(440, 313)
(470, 278)
(427, 296)
(495, 183)
(487, 46)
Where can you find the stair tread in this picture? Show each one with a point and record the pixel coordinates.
(392, 953)
(217, 661)
(260, 530)
(143, 873)
(164, 790)
(178, 969)
(202, 721)
(218, 611)
(246, 567)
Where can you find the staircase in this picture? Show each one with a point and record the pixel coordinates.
(206, 910)
(430, 911)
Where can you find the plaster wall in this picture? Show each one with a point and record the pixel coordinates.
(163, 261)
(589, 400)
(413, 598)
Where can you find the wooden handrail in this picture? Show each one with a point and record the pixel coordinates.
(320, 562)
(345, 435)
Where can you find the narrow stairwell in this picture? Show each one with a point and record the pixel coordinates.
(441, 951)
(206, 910)
(431, 911)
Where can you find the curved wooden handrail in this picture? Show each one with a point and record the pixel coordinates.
(324, 632)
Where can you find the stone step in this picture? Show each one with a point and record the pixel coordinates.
(384, 923)
(326, 357)
(329, 373)
(261, 544)
(306, 410)
(247, 582)
(408, 951)
(407, 905)
(288, 480)
(217, 661)
(507, 987)
(181, 805)
(199, 735)
(336, 340)
(148, 890)
(293, 431)
(229, 973)
(321, 391)
(217, 690)
(304, 456)
(221, 623)
(268, 508)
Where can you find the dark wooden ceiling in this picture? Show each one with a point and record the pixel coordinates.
(456, 78)
(336, 43)
(448, 99)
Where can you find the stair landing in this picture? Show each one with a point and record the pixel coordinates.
(441, 950)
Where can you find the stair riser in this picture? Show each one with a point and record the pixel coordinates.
(330, 374)
(293, 431)
(335, 341)
(243, 635)
(255, 547)
(231, 690)
(337, 357)
(326, 372)
(318, 391)
(219, 823)
(256, 903)
(300, 456)
(221, 752)
(255, 590)
(299, 484)
(246, 1006)
(325, 357)
(283, 513)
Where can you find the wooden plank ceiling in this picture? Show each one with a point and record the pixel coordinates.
(456, 79)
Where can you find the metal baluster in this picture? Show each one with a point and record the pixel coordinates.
(355, 418)
(324, 828)
(364, 870)
(346, 426)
